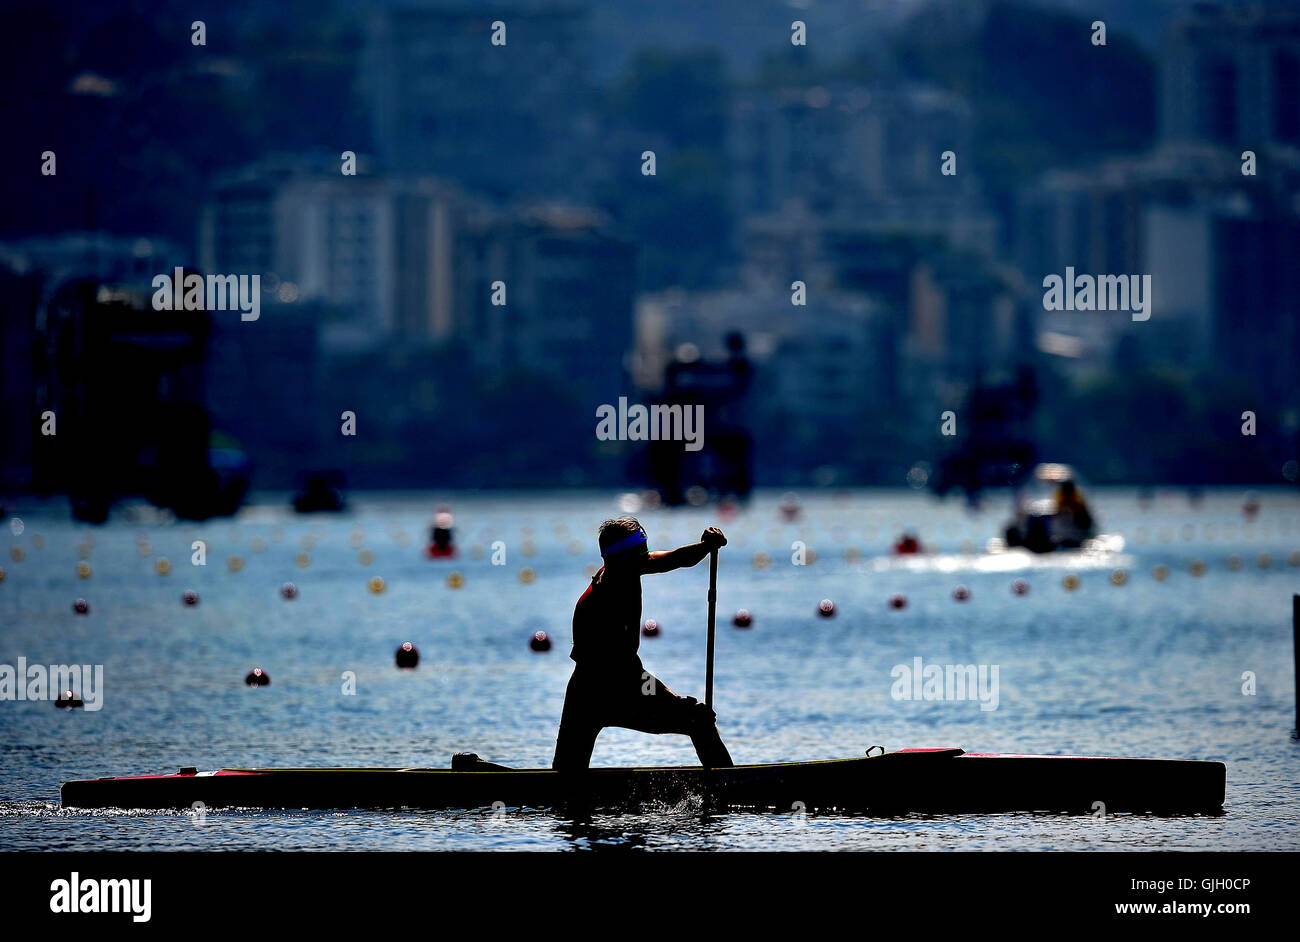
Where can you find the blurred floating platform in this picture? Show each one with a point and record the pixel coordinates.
(321, 491)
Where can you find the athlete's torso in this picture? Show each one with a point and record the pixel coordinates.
(607, 625)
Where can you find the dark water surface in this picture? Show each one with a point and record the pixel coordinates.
(1149, 667)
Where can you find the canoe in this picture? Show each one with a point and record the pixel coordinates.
(910, 780)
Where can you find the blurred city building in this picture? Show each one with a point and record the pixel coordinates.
(948, 315)
(853, 151)
(371, 276)
(501, 119)
(1231, 75)
(1216, 244)
(379, 250)
(570, 287)
(1219, 244)
(116, 399)
(499, 267)
(815, 391)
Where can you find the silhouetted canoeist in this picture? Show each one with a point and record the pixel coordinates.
(609, 686)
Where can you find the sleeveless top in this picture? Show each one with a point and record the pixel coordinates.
(607, 626)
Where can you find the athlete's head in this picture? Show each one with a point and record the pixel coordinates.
(622, 541)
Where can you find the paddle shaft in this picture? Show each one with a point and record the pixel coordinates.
(713, 614)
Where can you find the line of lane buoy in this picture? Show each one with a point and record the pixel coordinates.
(540, 641)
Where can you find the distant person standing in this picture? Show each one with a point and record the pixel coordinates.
(440, 535)
(1070, 502)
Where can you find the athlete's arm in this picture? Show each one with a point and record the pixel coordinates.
(685, 556)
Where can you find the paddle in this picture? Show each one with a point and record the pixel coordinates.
(713, 613)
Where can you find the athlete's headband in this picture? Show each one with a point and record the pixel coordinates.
(625, 544)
